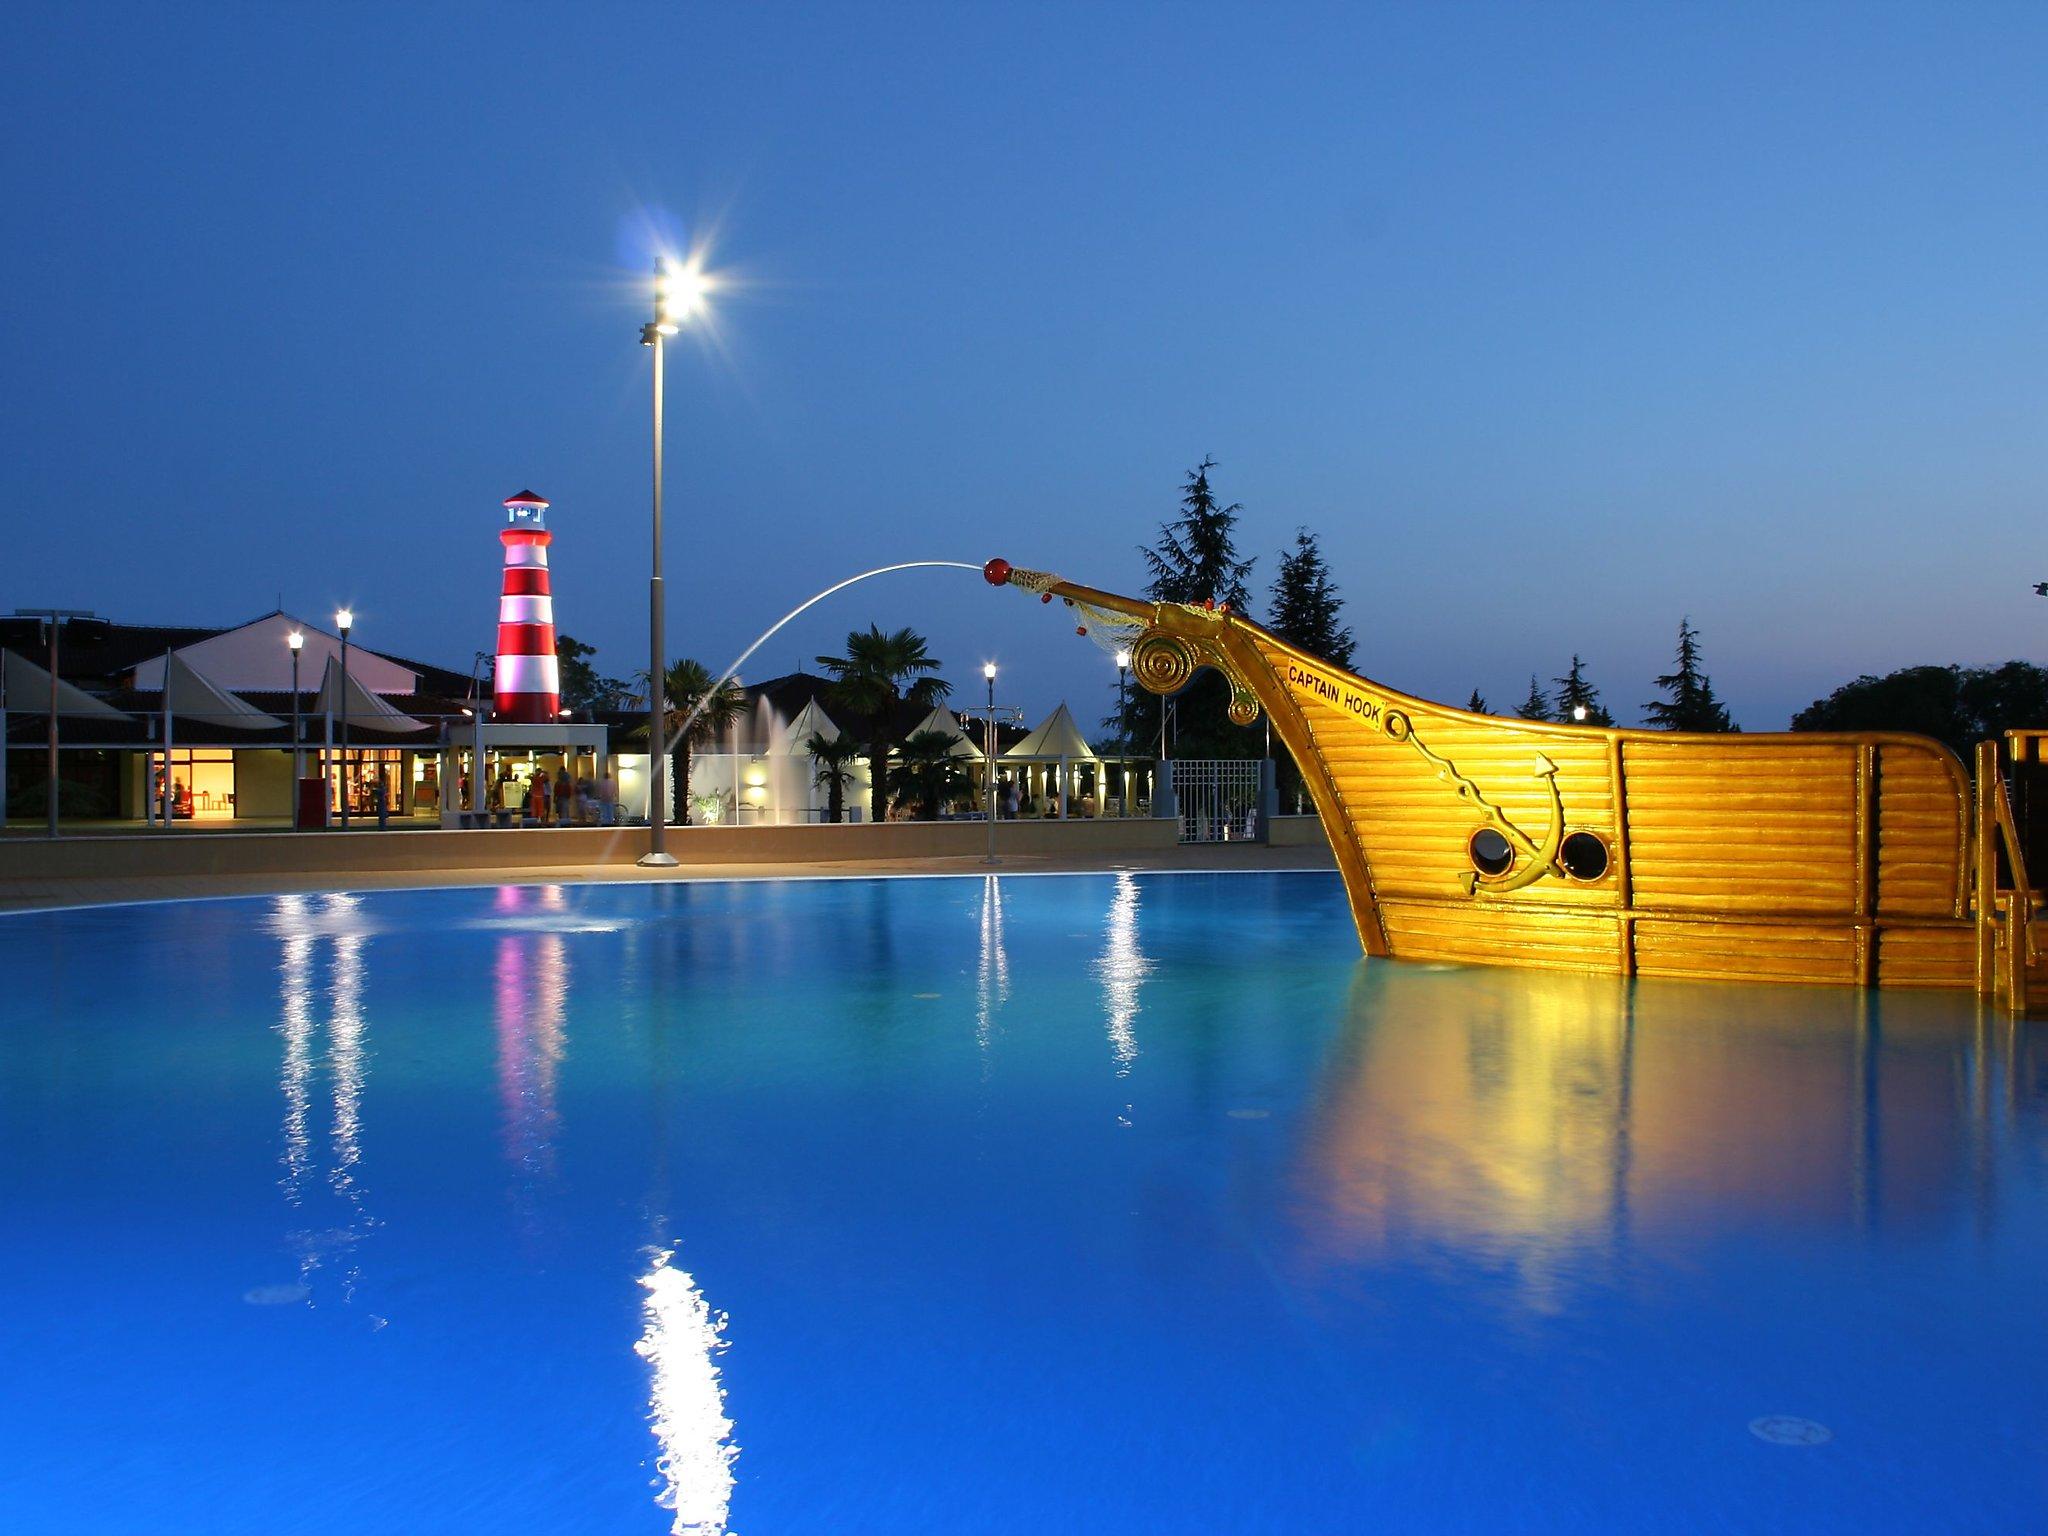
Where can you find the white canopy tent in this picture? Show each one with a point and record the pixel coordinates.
(1056, 741)
(810, 721)
(944, 722)
(27, 689)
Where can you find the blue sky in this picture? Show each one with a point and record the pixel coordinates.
(1555, 322)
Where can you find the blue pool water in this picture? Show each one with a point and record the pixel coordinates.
(1042, 1204)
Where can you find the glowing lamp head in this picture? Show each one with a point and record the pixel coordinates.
(1123, 659)
(679, 292)
(344, 620)
(988, 670)
(1578, 711)
(996, 573)
(295, 640)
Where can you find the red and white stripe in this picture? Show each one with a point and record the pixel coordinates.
(528, 685)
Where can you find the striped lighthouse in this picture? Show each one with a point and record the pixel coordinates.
(528, 684)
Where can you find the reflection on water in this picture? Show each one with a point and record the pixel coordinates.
(1546, 1120)
(1122, 970)
(993, 980)
(304, 924)
(681, 1340)
(531, 998)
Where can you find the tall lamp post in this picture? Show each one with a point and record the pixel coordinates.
(297, 642)
(54, 620)
(344, 621)
(677, 291)
(1123, 732)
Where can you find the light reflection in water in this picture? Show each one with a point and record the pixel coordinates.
(681, 1340)
(993, 984)
(296, 975)
(303, 925)
(1122, 969)
(531, 994)
(1548, 1122)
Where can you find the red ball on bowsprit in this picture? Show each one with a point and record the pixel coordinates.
(997, 572)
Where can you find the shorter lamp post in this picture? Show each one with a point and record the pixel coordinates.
(344, 621)
(297, 642)
(988, 671)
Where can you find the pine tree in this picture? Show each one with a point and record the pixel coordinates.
(1575, 694)
(1692, 705)
(1305, 604)
(1536, 706)
(1195, 561)
(1477, 703)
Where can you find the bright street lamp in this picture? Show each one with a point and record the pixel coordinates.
(678, 291)
(344, 620)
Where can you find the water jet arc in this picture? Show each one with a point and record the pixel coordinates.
(769, 634)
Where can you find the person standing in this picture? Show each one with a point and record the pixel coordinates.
(607, 797)
(565, 797)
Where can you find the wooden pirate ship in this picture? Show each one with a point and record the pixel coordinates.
(1858, 859)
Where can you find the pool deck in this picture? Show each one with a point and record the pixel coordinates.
(19, 894)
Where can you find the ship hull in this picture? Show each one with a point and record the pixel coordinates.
(1840, 859)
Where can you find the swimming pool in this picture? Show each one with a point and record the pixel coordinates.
(1091, 1203)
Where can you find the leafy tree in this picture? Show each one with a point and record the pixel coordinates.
(1195, 561)
(1306, 605)
(583, 689)
(1574, 693)
(1477, 703)
(687, 686)
(878, 673)
(1537, 705)
(927, 772)
(832, 768)
(1692, 705)
(1959, 706)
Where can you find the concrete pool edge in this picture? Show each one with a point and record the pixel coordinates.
(23, 898)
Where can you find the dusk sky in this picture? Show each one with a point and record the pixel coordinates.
(1556, 323)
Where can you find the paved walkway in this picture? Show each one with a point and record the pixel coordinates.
(23, 894)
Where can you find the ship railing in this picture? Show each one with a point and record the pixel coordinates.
(2007, 903)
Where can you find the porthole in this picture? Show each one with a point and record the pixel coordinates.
(1492, 854)
(1584, 856)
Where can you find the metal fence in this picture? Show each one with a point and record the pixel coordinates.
(1218, 799)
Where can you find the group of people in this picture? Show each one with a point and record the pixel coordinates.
(1015, 800)
(561, 801)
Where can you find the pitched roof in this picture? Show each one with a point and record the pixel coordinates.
(528, 496)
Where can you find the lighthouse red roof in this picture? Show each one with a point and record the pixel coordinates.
(526, 498)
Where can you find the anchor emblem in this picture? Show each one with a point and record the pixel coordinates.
(1535, 858)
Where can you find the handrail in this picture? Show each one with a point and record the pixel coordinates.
(1997, 830)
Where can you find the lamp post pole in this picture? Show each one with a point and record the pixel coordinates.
(988, 671)
(343, 621)
(1123, 733)
(55, 618)
(676, 291)
(296, 641)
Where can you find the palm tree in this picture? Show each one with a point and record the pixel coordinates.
(877, 674)
(832, 767)
(687, 686)
(929, 772)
